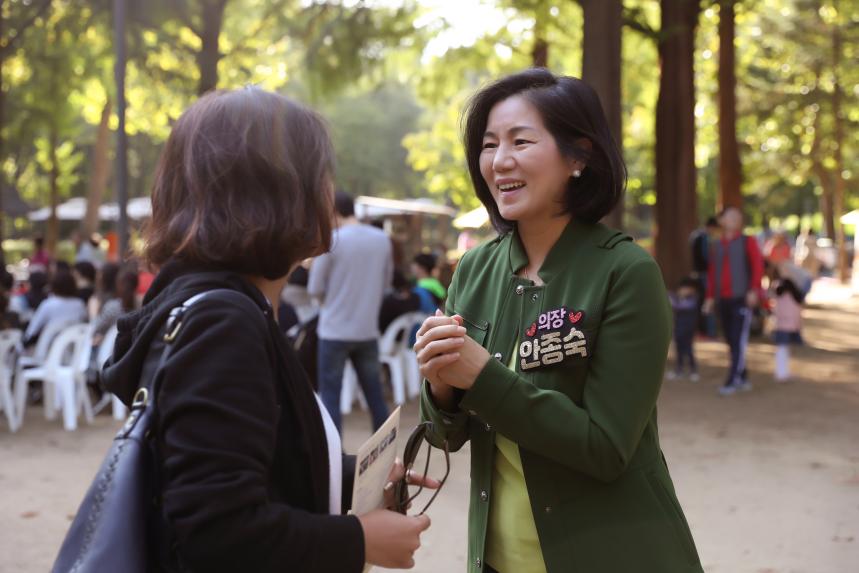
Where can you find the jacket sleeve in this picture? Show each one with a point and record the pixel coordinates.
(218, 419)
(625, 372)
(450, 426)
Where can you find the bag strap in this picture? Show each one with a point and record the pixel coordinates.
(147, 392)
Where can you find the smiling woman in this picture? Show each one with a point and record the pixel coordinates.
(544, 120)
(551, 355)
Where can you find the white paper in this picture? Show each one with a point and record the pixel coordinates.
(373, 465)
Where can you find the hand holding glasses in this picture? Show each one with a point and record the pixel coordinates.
(402, 497)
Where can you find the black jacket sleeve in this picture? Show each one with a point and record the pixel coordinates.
(218, 427)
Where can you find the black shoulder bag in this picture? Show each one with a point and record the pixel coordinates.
(113, 525)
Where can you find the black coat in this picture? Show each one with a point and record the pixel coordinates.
(242, 451)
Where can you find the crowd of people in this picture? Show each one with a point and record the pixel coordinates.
(740, 282)
(54, 292)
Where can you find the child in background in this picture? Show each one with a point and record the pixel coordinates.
(684, 302)
(788, 321)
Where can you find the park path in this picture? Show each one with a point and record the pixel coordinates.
(769, 479)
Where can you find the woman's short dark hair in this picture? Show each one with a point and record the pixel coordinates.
(243, 184)
(570, 110)
(63, 284)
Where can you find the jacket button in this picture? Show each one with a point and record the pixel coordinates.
(488, 427)
(478, 563)
(483, 495)
(548, 509)
(534, 297)
(497, 356)
(520, 289)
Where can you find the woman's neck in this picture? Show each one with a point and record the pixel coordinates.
(270, 289)
(538, 238)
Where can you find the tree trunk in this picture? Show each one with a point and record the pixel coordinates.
(730, 170)
(52, 234)
(210, 54)
(601, 69)
(824, 177)
(826, 197)
(838, 198)
(540, 53)
(98, 181)
(540, 50)
(2, 148)
(676, 201)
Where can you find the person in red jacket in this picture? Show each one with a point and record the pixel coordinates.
(734, 288)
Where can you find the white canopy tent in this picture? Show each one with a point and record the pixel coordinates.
(474, 219)
(74, 210)
(852, 218)
(376, 207)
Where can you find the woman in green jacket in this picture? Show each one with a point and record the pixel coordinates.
(550, 356)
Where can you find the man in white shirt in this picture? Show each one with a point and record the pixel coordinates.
(350, 280)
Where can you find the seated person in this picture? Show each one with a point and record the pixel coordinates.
(429, 289)
(399, 301)
(84, 274)
(26, 303)
(123, 302)
(62, 304)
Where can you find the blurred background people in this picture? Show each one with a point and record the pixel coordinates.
(39, 260)
(777, 249)
(400, 300)
(805, 254)
(430, 290)
(85, 274)
(787, 312)
(734, 289)
(685, 301)
(62, 305)
(350, 281)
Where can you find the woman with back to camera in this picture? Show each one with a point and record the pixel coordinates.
(552, 356)
(250, 473)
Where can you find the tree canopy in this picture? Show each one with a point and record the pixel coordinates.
(394, 106)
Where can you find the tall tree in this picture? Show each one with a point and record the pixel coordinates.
(601, 67)
(730, 169)
(16, 18)
(837, 96)
(676, 201)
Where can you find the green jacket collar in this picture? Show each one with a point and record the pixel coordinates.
(576, 236)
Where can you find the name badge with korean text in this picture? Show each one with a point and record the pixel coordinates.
(553, 338)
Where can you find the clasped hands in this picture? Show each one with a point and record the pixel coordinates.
(448, 358)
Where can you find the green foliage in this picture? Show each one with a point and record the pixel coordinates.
(368, 128)
(395, 111)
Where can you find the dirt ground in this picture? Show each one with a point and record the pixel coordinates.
(769, 479)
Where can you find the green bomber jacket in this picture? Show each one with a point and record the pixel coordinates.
(591, 346)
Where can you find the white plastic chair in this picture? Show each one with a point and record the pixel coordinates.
(392, 346)
(410, 359)
(9, 340)
(63, 388)
(350, 391)
(43, 344)
(396, 352)
(105, 350)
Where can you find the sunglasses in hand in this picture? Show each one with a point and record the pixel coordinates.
(403, 497)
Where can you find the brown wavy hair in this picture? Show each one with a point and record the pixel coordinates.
(244, 183)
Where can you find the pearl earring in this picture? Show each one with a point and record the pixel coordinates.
(577, 173)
